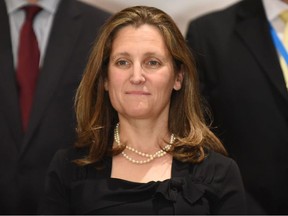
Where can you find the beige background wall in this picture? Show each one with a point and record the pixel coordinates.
(181, 10)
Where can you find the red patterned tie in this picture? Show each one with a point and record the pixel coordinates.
(28, 64)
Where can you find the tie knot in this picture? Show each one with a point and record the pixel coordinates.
(284, 16)
(31, 11)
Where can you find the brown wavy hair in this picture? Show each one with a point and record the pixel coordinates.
(96, 118)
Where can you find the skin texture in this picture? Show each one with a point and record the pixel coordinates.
(141, 76)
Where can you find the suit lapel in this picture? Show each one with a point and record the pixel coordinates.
(8, 86)
(64, 32)
(254, 30)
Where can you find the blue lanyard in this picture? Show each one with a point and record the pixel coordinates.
(279, 45)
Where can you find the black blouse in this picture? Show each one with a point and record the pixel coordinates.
(211, 187)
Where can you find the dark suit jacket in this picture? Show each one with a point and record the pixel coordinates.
(24, 158)
(242, 80)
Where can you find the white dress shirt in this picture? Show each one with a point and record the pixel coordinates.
(41, 25)
(273, 8)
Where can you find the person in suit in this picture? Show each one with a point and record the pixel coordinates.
(243, 83)
(65, 30)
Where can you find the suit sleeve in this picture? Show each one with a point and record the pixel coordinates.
(195, 39)
(198, 41)
(56, 199)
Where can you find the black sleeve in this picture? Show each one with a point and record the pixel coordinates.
(56, 194)
(231, 193)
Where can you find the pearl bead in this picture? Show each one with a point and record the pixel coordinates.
(149, 157)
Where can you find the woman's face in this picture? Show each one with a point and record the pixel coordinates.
(140, 74)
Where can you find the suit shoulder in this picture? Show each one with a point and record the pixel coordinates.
(219, 16)
(93, 11)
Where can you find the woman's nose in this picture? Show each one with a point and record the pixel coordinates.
(137, 75)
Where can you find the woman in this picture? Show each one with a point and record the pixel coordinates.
(143, 146)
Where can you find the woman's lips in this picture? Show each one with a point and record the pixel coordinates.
(137, 93)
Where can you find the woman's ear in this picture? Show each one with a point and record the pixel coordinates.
(106, 84)
(179, 80)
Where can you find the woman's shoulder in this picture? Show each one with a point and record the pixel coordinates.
(216, 160)
(66, 162)
(71, 153)
(63, 160)
(215, 166)
(216, 177)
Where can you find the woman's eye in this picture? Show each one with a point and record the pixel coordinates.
(153, 64)
(122, 63)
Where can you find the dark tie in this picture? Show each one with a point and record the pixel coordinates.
(28, 64)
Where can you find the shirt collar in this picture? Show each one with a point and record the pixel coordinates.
(273, 8)
(48, 5)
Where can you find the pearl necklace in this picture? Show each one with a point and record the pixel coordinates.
(149, 157)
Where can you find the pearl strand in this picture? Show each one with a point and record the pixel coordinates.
(149, 157)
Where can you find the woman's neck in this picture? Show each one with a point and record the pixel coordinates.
(143, 137)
